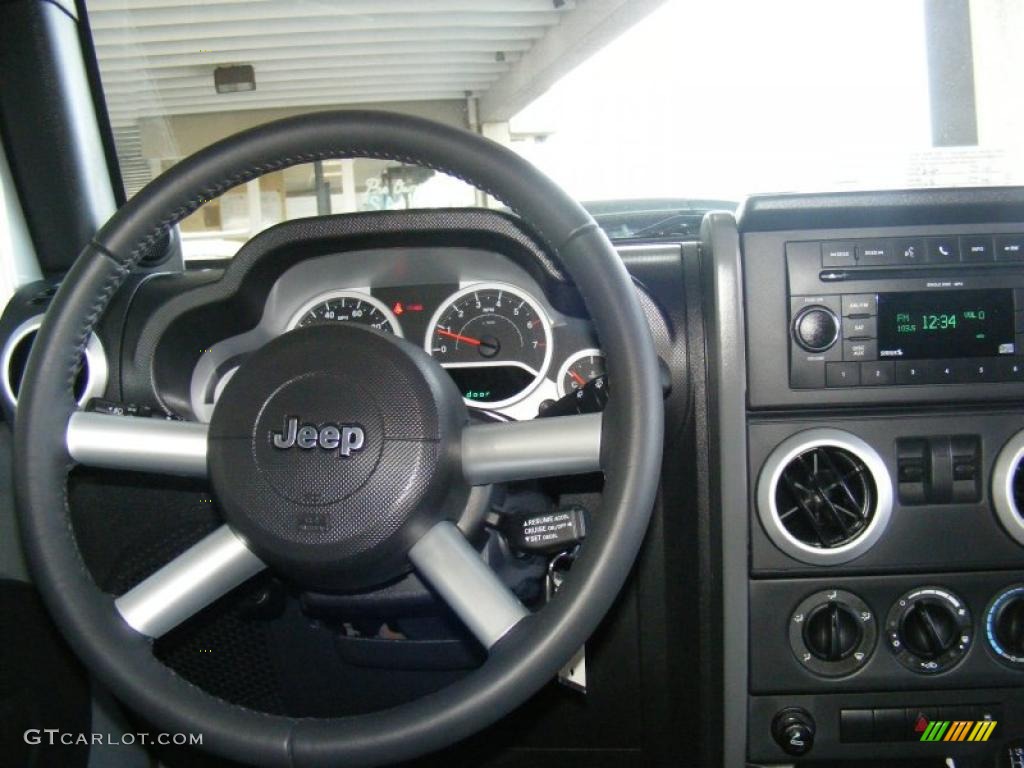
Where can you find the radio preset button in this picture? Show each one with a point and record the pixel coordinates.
(865, 304)
(912, 372)
(860, 327)
(860, 350)
(1010, 369)
(842, 374)
(877, 374)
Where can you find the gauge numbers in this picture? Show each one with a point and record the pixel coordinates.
(580, 369)
(347, 307)
(494, 340)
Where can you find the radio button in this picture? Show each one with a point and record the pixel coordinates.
(816, 328)
(975, 248)
(1010, 247)
(878, 374)
(865, 304)
(945, 372)
(874, 253)
(860, 350)
(863, 327)
(842, 374)
(908, 251)
(912, 372)
(838, 255)
(1010, 369)
(975, 371)
(943, 250)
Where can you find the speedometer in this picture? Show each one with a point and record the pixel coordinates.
(495, 341)
(347, 307)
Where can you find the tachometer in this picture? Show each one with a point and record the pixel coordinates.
(495, 341)
(347, 307)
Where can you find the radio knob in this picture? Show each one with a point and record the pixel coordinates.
(816, 328)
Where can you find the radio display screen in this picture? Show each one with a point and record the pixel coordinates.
(945, 324)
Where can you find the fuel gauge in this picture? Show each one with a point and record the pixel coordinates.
(581, 368)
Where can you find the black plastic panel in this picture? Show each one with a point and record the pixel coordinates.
(919, 537)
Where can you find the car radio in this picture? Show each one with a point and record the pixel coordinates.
(910, 311)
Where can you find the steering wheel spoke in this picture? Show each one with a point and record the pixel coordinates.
(139, 444)
(523, 450)
(197, 577)
(449, 564)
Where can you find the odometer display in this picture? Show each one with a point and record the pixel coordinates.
(494, 339)
(347, 307)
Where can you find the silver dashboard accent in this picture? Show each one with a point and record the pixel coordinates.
(564, 369)
(139, 444)
(363, 294)
(522, 450)
(1006, 466)
(470, 588)
(768, 481)
(190, 582)
(94, 362)
(538, 308)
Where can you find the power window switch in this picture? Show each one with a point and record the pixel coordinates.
(856, 726)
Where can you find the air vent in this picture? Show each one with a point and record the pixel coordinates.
(92, 378)
(824, 496)
(1008, 487)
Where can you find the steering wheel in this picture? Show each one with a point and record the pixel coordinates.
(340, 458)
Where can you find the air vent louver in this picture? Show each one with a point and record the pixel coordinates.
(825, 497)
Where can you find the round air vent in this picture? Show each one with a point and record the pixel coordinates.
(1008, 487)
(92, 378)
(824, 496)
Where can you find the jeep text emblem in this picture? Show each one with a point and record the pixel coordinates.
(345, 438)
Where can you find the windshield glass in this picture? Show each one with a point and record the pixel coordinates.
(652, 111)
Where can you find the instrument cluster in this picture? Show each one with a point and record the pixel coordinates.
(507, 349)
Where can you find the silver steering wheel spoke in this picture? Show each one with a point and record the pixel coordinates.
(193, 580)
(450, 564)
(138, 444)
(523, 450)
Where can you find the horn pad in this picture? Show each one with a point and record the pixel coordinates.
(333, 449)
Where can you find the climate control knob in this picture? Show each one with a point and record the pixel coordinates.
(832, 632)
(929, 629)
(816, 328)
(1004, 626)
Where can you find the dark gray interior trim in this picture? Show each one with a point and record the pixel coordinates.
(728, 441)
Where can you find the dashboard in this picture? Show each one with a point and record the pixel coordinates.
(486, 320)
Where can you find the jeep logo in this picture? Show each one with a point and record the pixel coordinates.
(345, 438)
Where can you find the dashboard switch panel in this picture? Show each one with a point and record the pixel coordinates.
(939, 470)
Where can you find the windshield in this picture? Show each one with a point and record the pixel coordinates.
(652, 112)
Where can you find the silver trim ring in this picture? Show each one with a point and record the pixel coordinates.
(347, 293)
(589, 352)
(788, 450)
(535, 305)
(96, 371)
(1002, 487)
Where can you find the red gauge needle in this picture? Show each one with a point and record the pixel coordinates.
(579, 379)
(459, 337)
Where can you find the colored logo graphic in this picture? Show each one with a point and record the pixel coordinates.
(955, 730)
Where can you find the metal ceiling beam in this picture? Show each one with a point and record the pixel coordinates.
(173, 7)
(135, 26)
(202, 96)
(204, 82)
(457, 62)
(580, 35)
(257, 35)
(115, 60)
(124, 117)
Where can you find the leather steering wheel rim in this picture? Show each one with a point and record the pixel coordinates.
(529, 655)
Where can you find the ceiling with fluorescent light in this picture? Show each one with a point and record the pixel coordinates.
(157, 57)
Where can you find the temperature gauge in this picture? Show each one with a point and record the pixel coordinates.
(580, 369)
